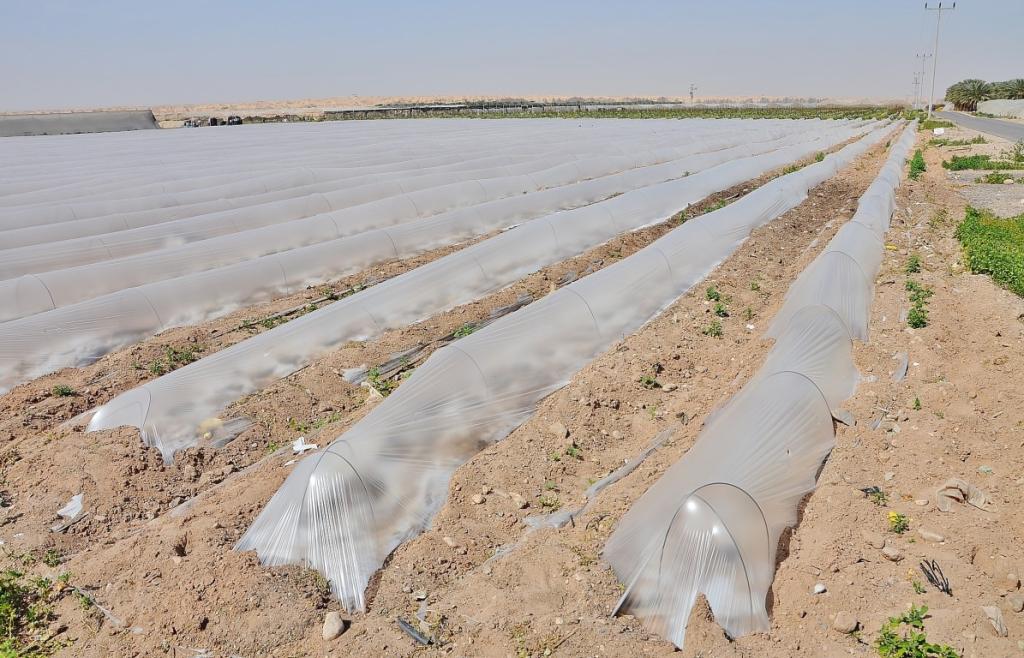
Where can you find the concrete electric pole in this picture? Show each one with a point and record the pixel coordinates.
(693, 88)
(920, 79)
(935, 51)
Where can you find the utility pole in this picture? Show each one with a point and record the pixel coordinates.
(924, 59)
(693, 88)
(917, 90)
(935, 51)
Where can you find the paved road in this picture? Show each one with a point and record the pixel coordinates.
(1006, 129)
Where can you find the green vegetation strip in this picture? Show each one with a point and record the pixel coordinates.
(994, 246)
(961, 162)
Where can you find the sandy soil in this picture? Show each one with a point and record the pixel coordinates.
(154, 549)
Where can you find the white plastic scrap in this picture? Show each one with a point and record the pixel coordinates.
(73, 508)
(69, 513)
(299, 446)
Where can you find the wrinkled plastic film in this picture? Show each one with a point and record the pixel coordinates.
(607, 176)
(478, 389)
(768, 442)
(77, 333)
(192, 397)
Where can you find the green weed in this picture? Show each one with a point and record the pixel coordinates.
(891, 643)
(62, 391)
(898, 523)
(714, 329)
(917, 166)
(649, 382)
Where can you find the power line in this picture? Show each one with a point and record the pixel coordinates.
(935, 51)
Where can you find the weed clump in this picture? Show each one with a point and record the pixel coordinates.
(25, 613)
(995, 178)
(917, 316)
(62, 391)
(714, 329)
(891, 643)
(898, 523)
(961, 162)
(913, 264)
(917, 166)
(942, 141)
(995, 247)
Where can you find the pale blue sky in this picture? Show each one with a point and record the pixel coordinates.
(63, 53)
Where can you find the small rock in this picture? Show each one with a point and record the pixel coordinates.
(928, 535)
(845, 622)
(616, 434)
(986, 470)
(478, 499)
(449, 541)
(559, 621)
(421, 595)
(559, 430)
(874, 539)
(176, 559)
(921, 502)
(668, 388)
(1016, 602)
(334, 626)
(820, 588)
(892, 554)
(519, 502)
(1011, 581)
(889, 476)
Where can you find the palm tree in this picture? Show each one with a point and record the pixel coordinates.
(966, 94)
(1013, 89)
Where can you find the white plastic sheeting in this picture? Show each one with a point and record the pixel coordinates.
(331, 156)
(35, 293)
(176, 410)
(77, 333)
(711, 524)
(345, 509)
(91, 249)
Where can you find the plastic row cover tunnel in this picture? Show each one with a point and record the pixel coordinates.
(332, 195)
(343, 510)
(711, 524)
(77, 333)
(306, 161)
(289, 185)
(290, 201)
(179, 409)
(66, 172)
(35, 293)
